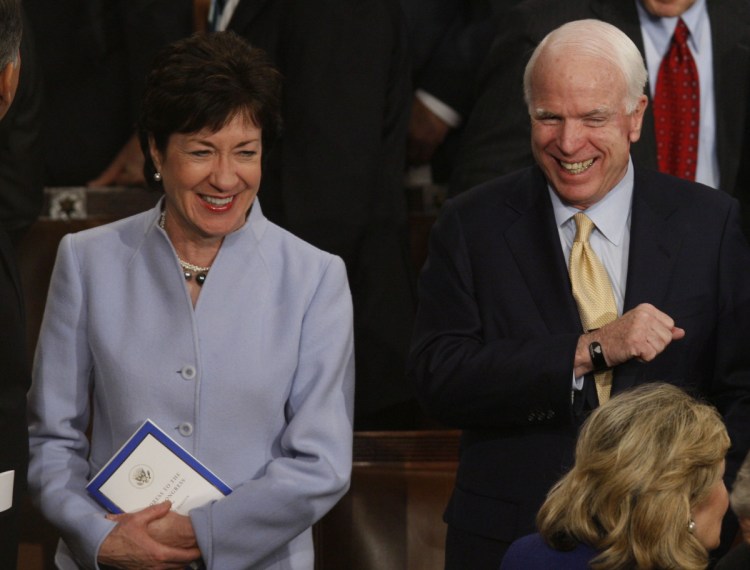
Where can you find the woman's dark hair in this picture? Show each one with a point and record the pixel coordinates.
(202, 82)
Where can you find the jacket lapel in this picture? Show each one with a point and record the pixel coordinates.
(535, 244)
(7, 263)
(654, 243)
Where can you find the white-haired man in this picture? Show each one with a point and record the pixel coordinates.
(551, 288)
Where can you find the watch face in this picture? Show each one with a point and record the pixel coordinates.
(597, 357)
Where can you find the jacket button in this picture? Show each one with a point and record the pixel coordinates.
(188, 372)
(185, 429)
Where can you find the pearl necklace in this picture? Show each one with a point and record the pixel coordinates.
(188, 269)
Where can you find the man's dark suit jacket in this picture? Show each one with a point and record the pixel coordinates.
(335, 177)
(497, 328)
(21, 176)
(14, 382)
(496, 139)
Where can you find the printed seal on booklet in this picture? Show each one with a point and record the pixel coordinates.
(151, 468)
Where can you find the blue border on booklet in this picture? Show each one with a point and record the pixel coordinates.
(146, 429)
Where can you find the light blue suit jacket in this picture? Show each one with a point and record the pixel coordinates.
(256, 381)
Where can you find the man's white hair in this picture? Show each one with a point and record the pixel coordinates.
(597, 39)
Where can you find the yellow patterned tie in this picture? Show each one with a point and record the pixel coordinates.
(592, 291)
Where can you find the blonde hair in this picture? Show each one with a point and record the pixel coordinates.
(643, 460)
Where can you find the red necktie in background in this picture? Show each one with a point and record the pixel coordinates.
(677, 108)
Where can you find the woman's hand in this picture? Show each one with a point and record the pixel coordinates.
(173, 530)
(131, 544)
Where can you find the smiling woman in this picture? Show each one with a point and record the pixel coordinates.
(229, 333)
(210, 180)
(202, 130)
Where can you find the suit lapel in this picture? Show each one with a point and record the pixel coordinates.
(654, 243)
(7, 264)
(535, 244)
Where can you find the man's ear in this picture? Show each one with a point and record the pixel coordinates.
(155, 154)
(636, 119)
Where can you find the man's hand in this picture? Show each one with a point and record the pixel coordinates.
(126, 169)
(642, 333)
(131, 546)
(427, 131)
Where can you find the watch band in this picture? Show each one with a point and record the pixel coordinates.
(597, 357)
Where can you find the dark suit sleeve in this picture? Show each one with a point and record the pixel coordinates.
(21, 155)
(449, 72)
(345, 105)
(471, 369)
(730, 388)
(14, 382)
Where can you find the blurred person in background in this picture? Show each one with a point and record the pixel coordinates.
(14, 378)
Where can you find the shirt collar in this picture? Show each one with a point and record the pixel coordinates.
(661, 29)
(607, 213)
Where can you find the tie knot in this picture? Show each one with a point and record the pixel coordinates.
(584, 227)
(681, 33)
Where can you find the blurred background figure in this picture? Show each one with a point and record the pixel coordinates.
(739, 557)
(336, 177)
(94, 56)
(449, 39)
(21, 177)
(646, 489)
(14, 379)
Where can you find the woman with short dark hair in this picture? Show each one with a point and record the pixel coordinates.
(229, 333)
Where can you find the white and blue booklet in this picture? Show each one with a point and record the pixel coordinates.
(151, 468)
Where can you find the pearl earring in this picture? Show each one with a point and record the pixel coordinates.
(157, 176)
